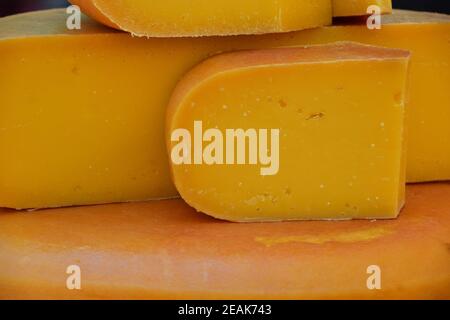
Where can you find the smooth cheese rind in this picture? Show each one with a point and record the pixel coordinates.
(177, 18)
(32, 40)
(166, 250)
(349, 8)
(340, 154)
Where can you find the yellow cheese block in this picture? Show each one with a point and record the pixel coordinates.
(175, 18)
(77, 122)
(166, 250)
(348, 8)
(82, 112)
(290, 134)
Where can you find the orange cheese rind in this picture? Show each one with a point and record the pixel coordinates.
(166, 250)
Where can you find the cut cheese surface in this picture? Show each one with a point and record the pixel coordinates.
(348, 8)
(77, 122)
(175, 18)
(166, 250)
(293, 133)
(77, 103)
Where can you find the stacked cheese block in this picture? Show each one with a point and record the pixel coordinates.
(251, 111)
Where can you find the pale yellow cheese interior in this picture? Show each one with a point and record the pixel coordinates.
(339, 111)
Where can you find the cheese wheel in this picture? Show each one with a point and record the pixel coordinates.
(164, 249)
(188, 18)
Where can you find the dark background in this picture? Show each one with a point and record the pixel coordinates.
(8, 7)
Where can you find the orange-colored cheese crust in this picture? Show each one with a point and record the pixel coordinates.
(164, 249)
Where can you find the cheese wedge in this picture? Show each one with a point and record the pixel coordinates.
(348, 8)
(292, 134)
(166, 250)
(175, 18)
(82, 112)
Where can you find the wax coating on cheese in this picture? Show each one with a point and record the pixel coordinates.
(338, 153)
(193, 18)
(166, 250)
